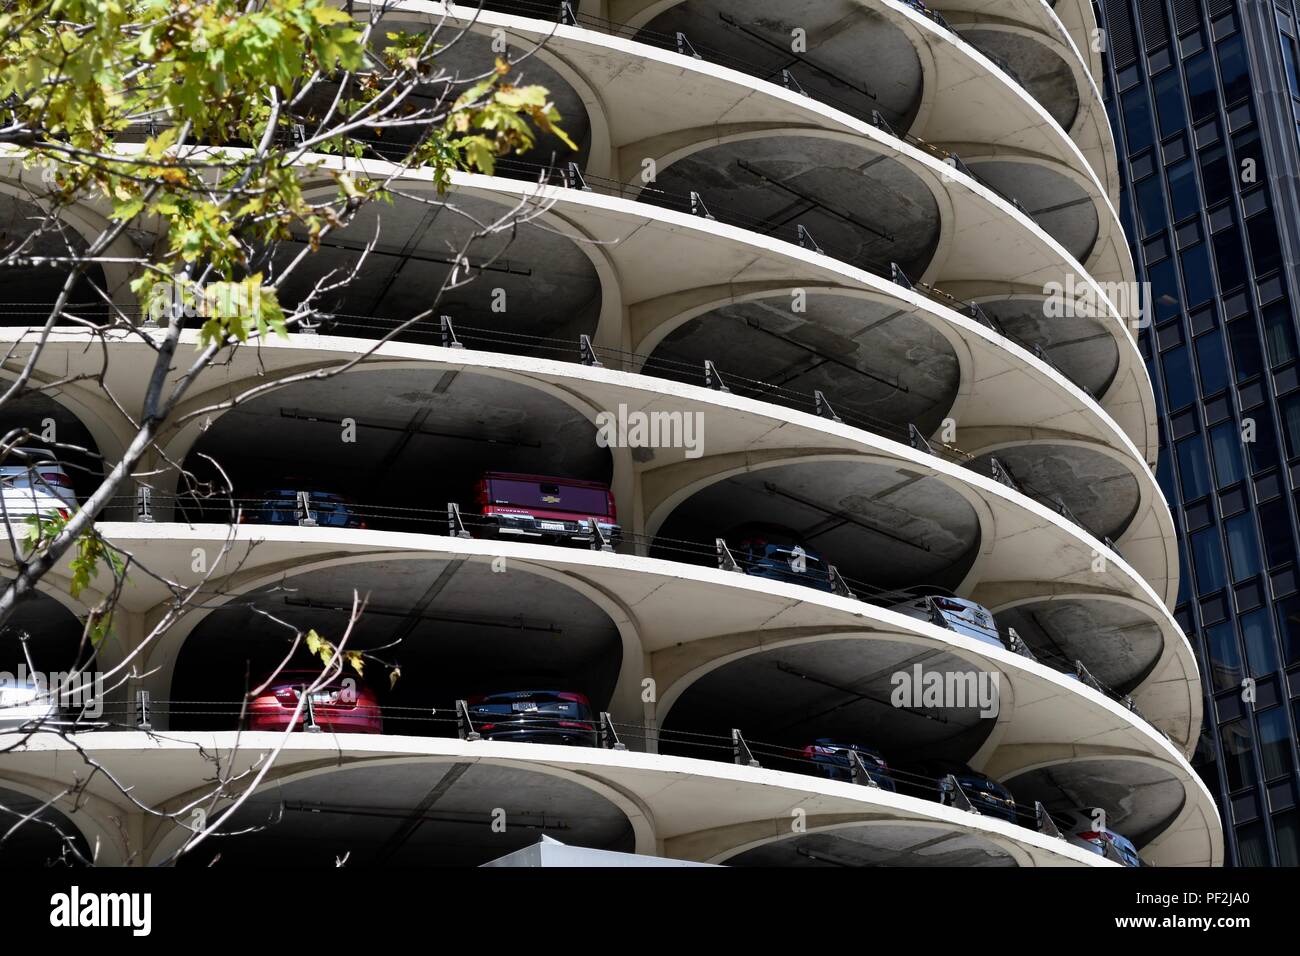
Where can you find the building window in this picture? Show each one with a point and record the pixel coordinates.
(1137, 121)
(1202, 92)
(1276, 524)
(1215, 174)
(1235, 743)
(1265, 250)
(1263, 450)
(1243, 546)
(1286, 835)
(1151, 205)
(1207, 559)
(1274, 743)
(1230, 260)
(1288, 625)
(1244, 342)
(1193, 471)
(1261, 649)
(1225, 662)
(1198, 280)
(1234, 70)
(1180, 390)
(1211, 363)
(1252, 848)
(1279, 333)
(1225, 441)
(1290, 409)
(1169, 103)
(1183, 195)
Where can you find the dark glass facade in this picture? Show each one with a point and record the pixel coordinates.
(1204, 100)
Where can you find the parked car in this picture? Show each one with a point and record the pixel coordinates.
(831, 758)
(984, 793)
(957, 614)
(535, 716)
(280, 506)
(343, 706)
(538, 507)
(768, 551)
(1080, 828)
(36, 485)
(23, 705)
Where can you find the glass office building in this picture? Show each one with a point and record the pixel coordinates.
(1204, 98)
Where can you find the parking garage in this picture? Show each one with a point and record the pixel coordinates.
(420, 813)
(883, 526)
(531, 289)
(883, 844)
(880, 367)
(786, 698)
(452, 629)
(420, 438)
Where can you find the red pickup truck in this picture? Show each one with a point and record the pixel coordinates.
(539, 507)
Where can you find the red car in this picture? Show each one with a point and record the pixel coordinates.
(343, 706)
(543, 508)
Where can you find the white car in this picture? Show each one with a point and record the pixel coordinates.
(33, 482)
(24, 704)
(956, 614)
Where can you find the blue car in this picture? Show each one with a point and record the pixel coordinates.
(831, 759)
(929, 779)
(280, 506)
(782, 558)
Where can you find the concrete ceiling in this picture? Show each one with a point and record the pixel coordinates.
(792, 695)
(465, 59)
(878, 845)
(1060, 206)
(879, 524)
(416, 815)
(1046, 76)
(1078, 345)
(1140, 799)
(26, 291)
(859, 206)
(549, 286)
(869, 359)
(1102, 492)
(424, 436)
(41, 415)
(855, 59)
(54, 635)
(41, 841)
(463, 629)
(1118, 644)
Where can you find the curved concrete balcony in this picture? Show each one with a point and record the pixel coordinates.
(655, 281)
(751, 652)
(1056, 451)
(420, 801)
(716, 128)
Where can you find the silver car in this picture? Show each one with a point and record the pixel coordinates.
(34, 483)
(956, 614)
(1083, 828)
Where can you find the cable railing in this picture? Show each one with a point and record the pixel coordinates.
(843, 762)
(303, 509)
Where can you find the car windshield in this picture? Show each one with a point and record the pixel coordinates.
(552, 496)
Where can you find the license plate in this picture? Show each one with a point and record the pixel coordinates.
(551, 525)
(525, 708)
